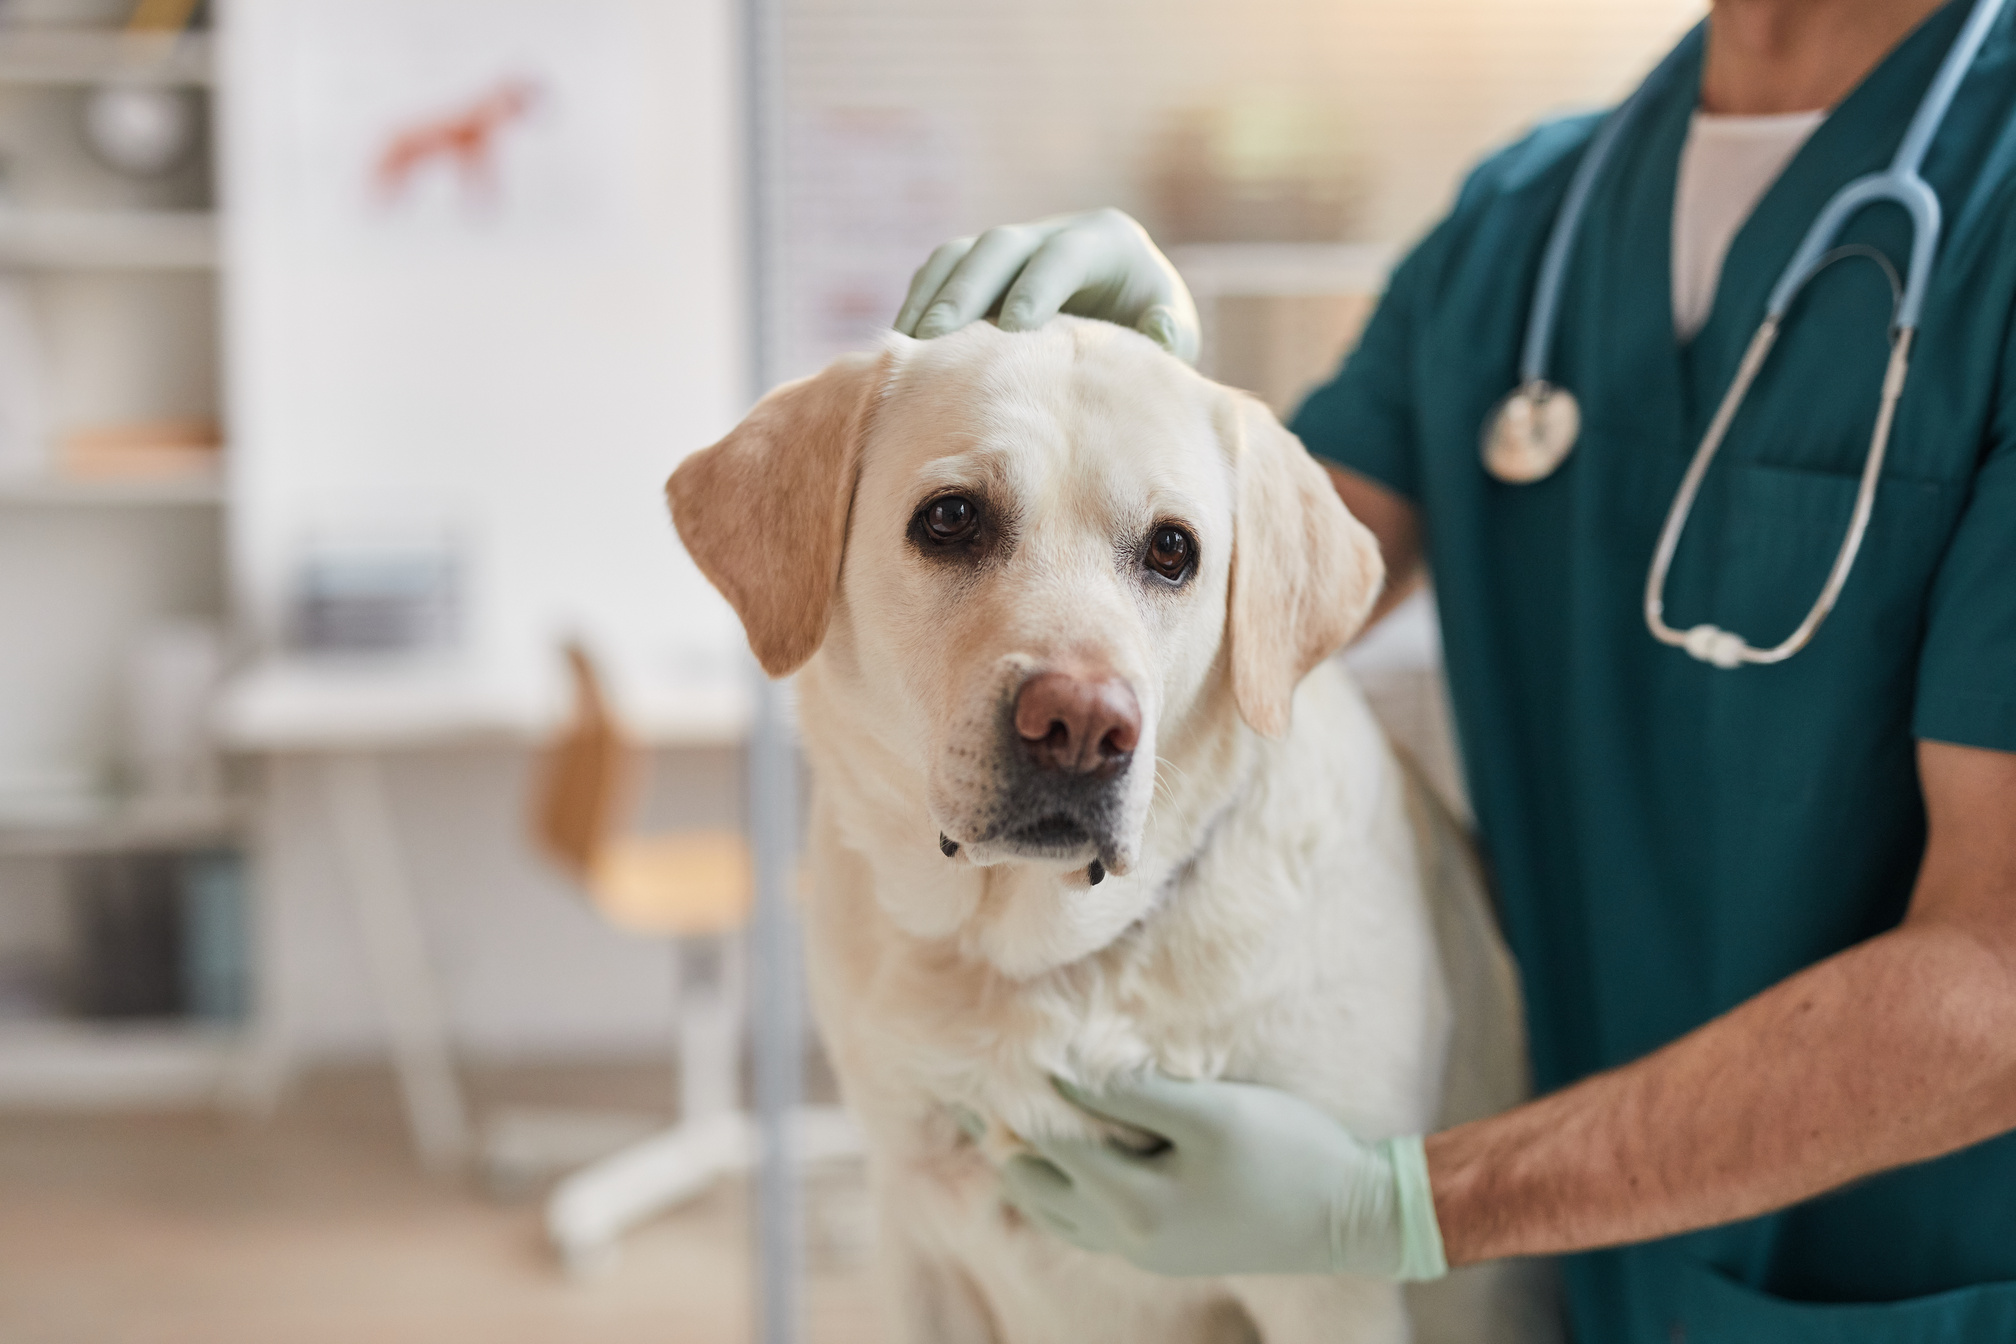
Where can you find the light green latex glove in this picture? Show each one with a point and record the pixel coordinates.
(1099, 264)
(1251, 1181)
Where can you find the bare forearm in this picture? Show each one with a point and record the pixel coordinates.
(1893, 1052)
(1397, 525)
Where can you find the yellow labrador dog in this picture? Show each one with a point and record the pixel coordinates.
(1088, 799)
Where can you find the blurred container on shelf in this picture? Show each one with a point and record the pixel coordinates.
(161, 16)
(388, 593)
(143, 450)
(1266, 173)
(141, 129)
(129, 935)
(215, 944)
(1260, 169)
(159, 934)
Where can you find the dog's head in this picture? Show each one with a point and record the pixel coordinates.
(1031, 556)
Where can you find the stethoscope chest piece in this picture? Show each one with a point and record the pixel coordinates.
(1531, 432)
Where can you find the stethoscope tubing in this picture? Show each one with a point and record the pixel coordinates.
(1724, 648)
(1902, 184)
(1539, 342)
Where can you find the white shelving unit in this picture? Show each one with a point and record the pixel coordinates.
(122, 276)
(87, 1066)
(108, 239)
(69, 492)
(71, 56)
(120, 828)
(1282, 270)
(1217, 272)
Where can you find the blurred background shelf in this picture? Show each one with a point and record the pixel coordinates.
(1277, 314)
(65, 492)
(109, 239)
(111, 827)
(59, 56)
(91, 1065)
(1283, 269)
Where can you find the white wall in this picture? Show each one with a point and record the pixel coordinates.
(516, 366)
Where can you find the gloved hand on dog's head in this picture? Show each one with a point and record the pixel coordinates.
(1097, 264)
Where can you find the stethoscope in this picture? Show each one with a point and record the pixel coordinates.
(1531, 431)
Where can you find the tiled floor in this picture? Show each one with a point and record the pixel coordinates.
(317, 1229)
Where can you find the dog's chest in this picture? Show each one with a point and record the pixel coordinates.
(985, 1060)
(1317, 990)
(1293, 949)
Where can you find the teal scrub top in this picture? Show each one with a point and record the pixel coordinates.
(1669, 838)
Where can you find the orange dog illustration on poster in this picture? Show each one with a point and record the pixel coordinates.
(464, 140)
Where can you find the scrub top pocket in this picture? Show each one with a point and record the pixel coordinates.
(1776, 533)
(1774, 732)
(1707, 1306)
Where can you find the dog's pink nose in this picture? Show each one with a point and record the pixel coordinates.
(1078, 725)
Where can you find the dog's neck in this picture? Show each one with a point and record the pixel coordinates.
(1023, 919)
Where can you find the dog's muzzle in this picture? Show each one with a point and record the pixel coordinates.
(1067, 743)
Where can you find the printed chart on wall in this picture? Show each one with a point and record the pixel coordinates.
(869, 191)
(467, 123)
(490, 292)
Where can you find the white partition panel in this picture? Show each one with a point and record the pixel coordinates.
(486, 287)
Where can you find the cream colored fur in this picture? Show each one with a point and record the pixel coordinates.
(1263, 917)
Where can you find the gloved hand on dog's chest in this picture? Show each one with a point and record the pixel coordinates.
(1250, 1181)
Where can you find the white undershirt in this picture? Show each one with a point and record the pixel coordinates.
(1726, 167)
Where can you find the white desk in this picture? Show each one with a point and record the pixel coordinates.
(372, 704)
(346, 714)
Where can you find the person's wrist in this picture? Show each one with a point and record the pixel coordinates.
(1422, 1255)
(1382, 1213)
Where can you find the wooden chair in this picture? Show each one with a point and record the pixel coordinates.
(682, 884)
(694, 887)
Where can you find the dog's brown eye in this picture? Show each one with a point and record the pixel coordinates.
(1171, 552)
(951, 518)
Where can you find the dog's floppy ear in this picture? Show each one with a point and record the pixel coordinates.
(764, 511)
(1305, 573)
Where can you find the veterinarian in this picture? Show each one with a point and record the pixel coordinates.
(1764, 907)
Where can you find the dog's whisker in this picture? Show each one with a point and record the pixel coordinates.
(1163, 786)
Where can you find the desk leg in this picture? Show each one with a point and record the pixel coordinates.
(268, 1065)
(367, 848)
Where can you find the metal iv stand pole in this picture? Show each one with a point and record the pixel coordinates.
(777, 1015)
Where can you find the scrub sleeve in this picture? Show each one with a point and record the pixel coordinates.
(1362, 419)
(1967, 673)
